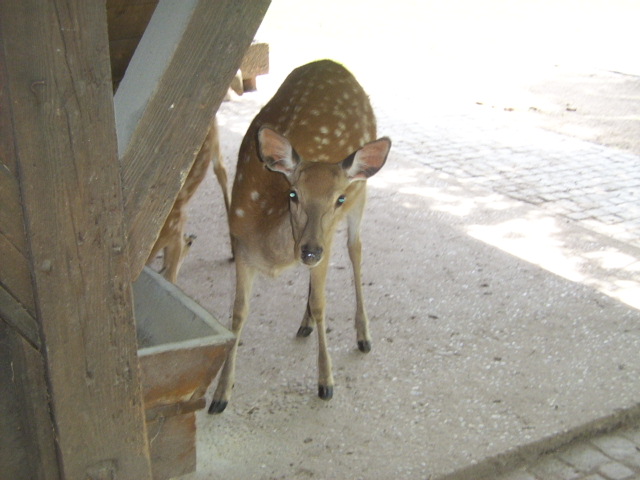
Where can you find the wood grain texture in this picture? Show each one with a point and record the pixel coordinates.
(15, 274)
(60, 87)
(15, 316)
(127, 20)
(175, 121)
(27, 444)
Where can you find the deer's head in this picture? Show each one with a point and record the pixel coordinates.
(319, 191)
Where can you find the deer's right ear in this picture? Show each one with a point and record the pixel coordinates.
(276, 151)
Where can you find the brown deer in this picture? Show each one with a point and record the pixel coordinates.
(172, 237)
(302, 168)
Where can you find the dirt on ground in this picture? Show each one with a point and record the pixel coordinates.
(457, 324)
(595, 105)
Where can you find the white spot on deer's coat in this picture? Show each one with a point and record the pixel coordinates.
(337, 132)
(324, 130)
(315, 112)
(239, 212)
(255, 196)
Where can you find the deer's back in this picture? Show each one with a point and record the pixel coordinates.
(326, 115)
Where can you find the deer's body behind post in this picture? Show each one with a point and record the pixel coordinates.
(172, 237)
(301, 169)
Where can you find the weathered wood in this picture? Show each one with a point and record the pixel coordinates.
(254, 63)
(127, 20)
(27, 444)
(182, 347)
(15, 275)
(173, 445)
(15, 315)
(161, 129)
(59, 83)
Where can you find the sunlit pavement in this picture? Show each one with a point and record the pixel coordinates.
(503, 261)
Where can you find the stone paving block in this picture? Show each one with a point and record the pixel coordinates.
(619, 448)
(616, 471)
(551, 468)
(632, 434)
(521, 474)
(584, 457)
(602, 183)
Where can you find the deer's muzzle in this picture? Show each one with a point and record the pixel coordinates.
(310, 255)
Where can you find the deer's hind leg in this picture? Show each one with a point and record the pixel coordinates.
(354, 245)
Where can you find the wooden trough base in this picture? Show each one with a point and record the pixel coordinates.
(181, 349)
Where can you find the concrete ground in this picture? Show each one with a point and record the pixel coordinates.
(504, 323)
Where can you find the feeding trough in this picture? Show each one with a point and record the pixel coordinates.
(181, 347)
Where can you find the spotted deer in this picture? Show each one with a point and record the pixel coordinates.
(302, 168)
(172, 237)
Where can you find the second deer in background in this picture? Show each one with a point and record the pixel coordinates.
(172, 238)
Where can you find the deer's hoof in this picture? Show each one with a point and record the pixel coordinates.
(304, 331)
(325, 392)
(217, 406)
(364, 346)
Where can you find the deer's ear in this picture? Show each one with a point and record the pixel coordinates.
(366, 161)
(276, 151)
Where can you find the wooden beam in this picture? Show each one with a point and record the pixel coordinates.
(127, 20)
(59, 84)
(15, 315)
(27, 443)
(15, 274)
(166, 100)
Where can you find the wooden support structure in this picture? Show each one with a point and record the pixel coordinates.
(78, 218)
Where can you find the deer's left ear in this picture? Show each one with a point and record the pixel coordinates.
(366, 161)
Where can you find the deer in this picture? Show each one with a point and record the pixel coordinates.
(172, 239)
(302, 169)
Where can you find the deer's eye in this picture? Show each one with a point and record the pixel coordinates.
(341, 200)
(293, 196)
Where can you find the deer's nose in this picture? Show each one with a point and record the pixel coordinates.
(311, 255)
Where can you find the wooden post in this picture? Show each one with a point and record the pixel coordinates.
(163, 109)
(70, 395)
(58, 86)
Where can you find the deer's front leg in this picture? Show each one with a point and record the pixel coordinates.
(244, 284)
(355, 254)
(315, 315)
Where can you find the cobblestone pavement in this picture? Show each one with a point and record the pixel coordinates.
(608, 457)
(597, 186)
